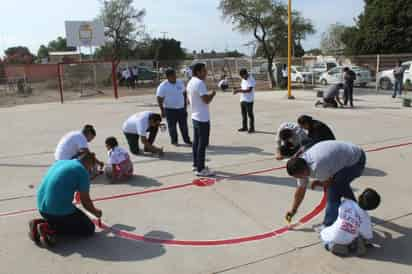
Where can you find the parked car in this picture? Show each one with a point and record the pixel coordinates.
(319, 68)
(301, 74)
(386, 79)
(335, 75)
(146, 74)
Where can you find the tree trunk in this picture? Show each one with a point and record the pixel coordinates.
(270, 71)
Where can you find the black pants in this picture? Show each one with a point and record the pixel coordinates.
(76, 224)
(174, 117)
(348, 94)
(247, 111)
(133, 139)
(330, 103)
(201, 132)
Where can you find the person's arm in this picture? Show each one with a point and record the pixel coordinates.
(87, 203)
(160, 101)
(297, 201)
(338, 100)
(249, 90)
(324, 184)
(208, 98)
(150, 147)
(186, 99)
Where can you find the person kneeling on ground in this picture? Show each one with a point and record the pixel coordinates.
(55, 201)
(223, 83)
(334, 165)
(119, 167)
(317, 131)
(290, 137)
(352, 231)
(138, 125)
(331, 97)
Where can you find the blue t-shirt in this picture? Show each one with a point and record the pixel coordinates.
(56, 191)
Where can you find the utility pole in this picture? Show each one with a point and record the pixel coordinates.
(290, 40)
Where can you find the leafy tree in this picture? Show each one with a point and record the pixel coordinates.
(18, 55)
(59, 44)
(123, 23)
(267, 20)
(384, 27)
(331, 41)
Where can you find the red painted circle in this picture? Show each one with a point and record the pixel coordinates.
(202, 182)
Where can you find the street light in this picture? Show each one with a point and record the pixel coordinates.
(290, 40)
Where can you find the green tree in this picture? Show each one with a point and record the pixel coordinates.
(331, 41)
(18, 55)
(267, 20)
(384, 27)
(59, 44)
(123, 23)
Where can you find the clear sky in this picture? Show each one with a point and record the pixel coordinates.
(198, 24)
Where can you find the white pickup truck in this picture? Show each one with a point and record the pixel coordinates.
(386, 79)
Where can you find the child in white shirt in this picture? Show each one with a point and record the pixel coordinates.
(119, 166)
(353, 226)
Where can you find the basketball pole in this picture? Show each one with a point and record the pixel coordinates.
(290, 40)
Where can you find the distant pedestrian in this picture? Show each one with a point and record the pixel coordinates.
(349, 77)
(247, 97)
(126, 75)
(285, 76)
(135, 75)
(398, 73)
(223, 83)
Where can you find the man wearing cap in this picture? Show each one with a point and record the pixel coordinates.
(172, 99)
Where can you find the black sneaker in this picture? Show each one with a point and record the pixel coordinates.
(33, 233)
(242, 129)
(47, 236)
(252, 130)
(189, 143)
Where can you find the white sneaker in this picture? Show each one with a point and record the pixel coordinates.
(205, 173)
(318, 228)
(194, 169)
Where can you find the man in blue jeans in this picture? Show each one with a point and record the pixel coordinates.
(172, 99)
(333, 165)
(199, 100)
(55, 201)
(398, 74)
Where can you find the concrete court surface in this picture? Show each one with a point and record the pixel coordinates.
(231, 208)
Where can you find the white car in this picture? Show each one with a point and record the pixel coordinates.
(335, 76)
(301, 74)
(386, 79)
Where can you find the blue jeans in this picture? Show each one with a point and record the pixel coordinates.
(397, 88)
(340, 187)
(174, 117)
(201, 131)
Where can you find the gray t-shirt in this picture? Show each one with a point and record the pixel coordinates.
(332, 92)
(327, 158)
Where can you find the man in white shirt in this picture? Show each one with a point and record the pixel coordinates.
(172, 99)
(135, 75)
(126, 75)
(247, 91)
(140, 125)
(223, 83)
(290, 137)
(353, 227)
(285, 76)
(333, 165)
(199, 101)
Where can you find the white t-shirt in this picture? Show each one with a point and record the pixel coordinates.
(173, 94)
(285, 73)
(200, 110)
(245, 85)
(126, 74)
(223, 82)
(137, 123)
(70, 145)
(117, 155)
(352, 221)
(135, 71)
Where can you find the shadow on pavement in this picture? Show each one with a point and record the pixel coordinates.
(236, 150)
(106, 247)
(394, 246)
(373, 172)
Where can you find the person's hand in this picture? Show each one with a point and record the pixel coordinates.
(234, 91)
(98, 213)
(214, 93)
(101, 165)
(279, 157)
(316, 184)
(289, 215)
